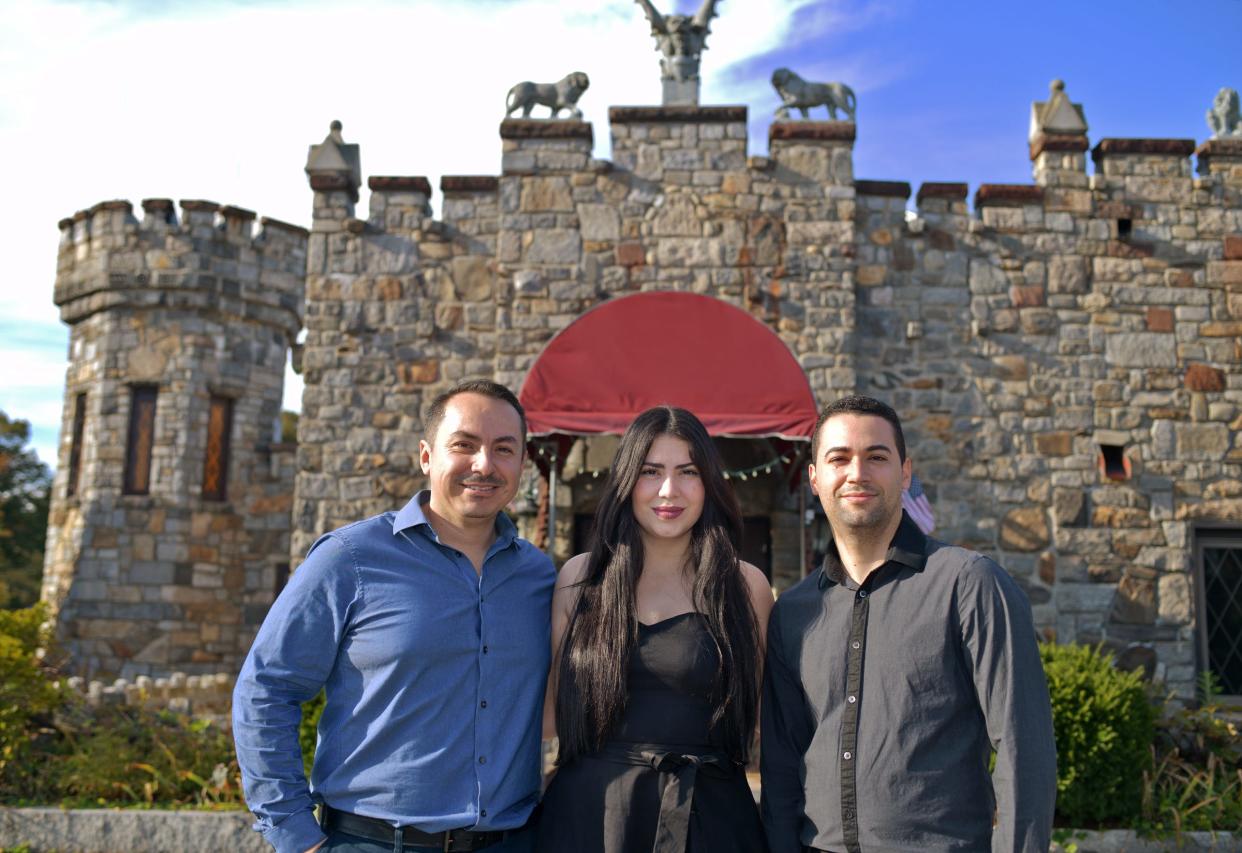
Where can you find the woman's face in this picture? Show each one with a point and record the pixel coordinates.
(668, 497)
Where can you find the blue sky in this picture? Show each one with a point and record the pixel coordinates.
(219, 100)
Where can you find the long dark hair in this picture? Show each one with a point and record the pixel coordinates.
(603, 629)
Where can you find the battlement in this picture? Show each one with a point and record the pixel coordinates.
(211, 258)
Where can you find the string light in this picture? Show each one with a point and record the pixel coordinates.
(544, 451)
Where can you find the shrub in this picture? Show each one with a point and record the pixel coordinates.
(1104, 724)
(308, 731)
(26, 691)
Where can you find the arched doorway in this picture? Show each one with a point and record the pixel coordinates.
(687, 350)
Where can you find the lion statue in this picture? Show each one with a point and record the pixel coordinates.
(1224, 118)
(798, 93)
(561, 95)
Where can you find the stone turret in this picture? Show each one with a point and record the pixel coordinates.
(172, 490)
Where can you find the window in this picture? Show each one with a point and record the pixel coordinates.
(1219, 562)
(216, 461)
(141, 439)
(75, 449)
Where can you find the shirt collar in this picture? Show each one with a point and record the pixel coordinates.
(414, 514)
(909, 548)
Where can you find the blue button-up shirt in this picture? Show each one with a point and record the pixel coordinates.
(434, 675)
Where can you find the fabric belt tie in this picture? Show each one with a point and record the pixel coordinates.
(682, 769)
(401, 837)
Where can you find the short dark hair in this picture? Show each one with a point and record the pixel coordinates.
(486, 387)
(857, 404)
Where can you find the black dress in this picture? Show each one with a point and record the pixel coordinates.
(661, 784)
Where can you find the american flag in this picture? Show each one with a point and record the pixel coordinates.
(914, 500)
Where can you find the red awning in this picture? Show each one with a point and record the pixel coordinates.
(681, 349)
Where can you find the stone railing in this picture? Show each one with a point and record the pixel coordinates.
(200, 694)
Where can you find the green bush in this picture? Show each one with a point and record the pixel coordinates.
(308, 732)
(27, 693)
(1105, 725)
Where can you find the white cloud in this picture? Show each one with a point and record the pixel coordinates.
(220, 101)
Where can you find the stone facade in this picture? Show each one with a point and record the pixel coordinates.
(145, 584)
(1066, 358)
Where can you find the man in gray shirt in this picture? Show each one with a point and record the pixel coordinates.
(894, 671)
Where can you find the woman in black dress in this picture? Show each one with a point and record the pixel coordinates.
(657, 649)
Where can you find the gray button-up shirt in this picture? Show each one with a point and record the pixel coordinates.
(882, 703)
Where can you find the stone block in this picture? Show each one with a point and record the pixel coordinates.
(1201, 441)
(554, 246)
(1203, 377)
(631, 255)
(599, 222)
(472, 278)
(1067, 506)
(1024, 529)
(541, 194)
(1233, 247)
(1059, 443)
(1135, 601)
(1159, 319)
(1141, 349)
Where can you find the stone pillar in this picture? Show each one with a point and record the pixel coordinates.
(399, 203)
(334, 169)
(1221, 157)
(1060, 160)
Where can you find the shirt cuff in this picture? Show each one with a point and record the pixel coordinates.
(297, 833)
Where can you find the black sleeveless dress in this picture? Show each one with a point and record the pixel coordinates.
(660, 785)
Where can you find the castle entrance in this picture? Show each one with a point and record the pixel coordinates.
(686, 350)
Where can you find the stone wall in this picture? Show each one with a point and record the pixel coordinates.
(1075, 312)
(1065, 356)
(149, 583)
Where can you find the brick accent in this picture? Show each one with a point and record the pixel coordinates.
(890, 189)
(1203, 377)
(820, 131)
(689, 114)
(1058, 142)
(399, 184)
(934, 189)
(469, 184)
(1159, 319)
(1233, 247)
(1002, 195)
(1170, 147)
(535, 128)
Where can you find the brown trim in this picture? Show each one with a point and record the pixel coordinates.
(216, 455)
(140, 439)
(330, 182)
(268, 222)
(689, 114)
(1164, 147)
(160, 208)
(228, 211)
(399, 184)
(75, 447)
(469, 184)
(67, 222)
(1058, 142)
(545, 128)
(1008, 195)
(199, 204)
(1220, 148)
(888, 189)
(942, 189)
(815, 131)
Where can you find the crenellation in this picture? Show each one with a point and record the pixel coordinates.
(1016, 340)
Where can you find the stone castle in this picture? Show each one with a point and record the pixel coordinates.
(1067, 359)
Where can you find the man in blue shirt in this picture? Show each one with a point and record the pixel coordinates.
(429, 630)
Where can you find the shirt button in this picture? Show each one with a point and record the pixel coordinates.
(483, 758)
(851, 700)
(862, 593)
(485, 650)
(847, 756)
(483, 813)
(483, 704)
(855, 645)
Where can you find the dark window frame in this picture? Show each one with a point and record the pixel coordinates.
(217, 448)
(1213, 538)
(140, 439)
(75, 447)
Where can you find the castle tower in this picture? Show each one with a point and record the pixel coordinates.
(172, 490)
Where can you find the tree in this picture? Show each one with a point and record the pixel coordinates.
(25, 488)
